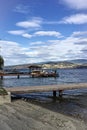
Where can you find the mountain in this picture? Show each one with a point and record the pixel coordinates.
(78, 61)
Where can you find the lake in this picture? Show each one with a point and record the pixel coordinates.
(65, 76)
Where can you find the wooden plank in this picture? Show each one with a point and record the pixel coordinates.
(45, 88)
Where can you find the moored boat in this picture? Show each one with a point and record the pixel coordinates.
(40, 73)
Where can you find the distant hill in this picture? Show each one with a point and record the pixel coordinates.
(78, 63)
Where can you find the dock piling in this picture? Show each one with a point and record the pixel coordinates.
(60, 93)
(18, 76)
(54, 94)
(1, 77)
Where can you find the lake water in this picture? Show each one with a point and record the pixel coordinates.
(73, 102)
(65, 76)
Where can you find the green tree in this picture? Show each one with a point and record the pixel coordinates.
(1, 63)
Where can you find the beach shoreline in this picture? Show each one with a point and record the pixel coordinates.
(67, 114)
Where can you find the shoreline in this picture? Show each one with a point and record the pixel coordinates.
(68, 114)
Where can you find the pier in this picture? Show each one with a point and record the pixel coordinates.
(46, 88)
(33, 75)
(12, 74)
(6, 98)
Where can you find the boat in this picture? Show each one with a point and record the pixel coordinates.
(41, 73)
(37, 71)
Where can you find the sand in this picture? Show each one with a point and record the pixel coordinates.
(67, 114)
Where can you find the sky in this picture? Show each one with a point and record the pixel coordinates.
(33, 31)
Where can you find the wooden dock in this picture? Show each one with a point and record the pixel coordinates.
(12, 74)
(54, 88)
(18, 75)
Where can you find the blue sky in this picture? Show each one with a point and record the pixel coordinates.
(34, 31)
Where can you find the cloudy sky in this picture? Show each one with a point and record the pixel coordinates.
(34, 31)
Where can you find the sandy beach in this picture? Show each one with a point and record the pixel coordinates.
(68, 114)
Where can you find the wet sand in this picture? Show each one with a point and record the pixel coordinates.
(70, 113)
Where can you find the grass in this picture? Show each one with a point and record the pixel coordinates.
(3, 91)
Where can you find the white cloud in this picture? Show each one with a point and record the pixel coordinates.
(16, 32)
(24, 9)
(52, 50)
(75, 19)
(27, 24)
(37, 43)
(79, 33)
(76, 4)
(38, 33)
(26, 35)
(58, 50)
(20, 33)
(48, 33)
(13, 53)
(34, 23)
